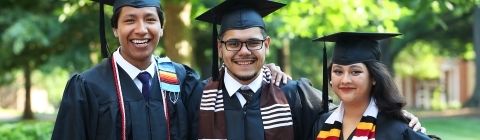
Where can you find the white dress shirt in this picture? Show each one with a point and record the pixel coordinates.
(133, 71)
(233, 85)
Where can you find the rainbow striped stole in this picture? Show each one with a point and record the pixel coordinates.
(167, 74)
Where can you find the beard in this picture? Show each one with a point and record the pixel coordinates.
(244, 77)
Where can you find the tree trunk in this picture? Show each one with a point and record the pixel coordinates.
(177, 34)
(27, 112)
(474, 101)
(283, 56)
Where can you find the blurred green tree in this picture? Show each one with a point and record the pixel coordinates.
(446, 24)
(27, 29)
(293, 27)
(46, 35)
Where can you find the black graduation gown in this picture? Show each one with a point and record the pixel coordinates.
(90, 109)
(388, 128)
(304, 107)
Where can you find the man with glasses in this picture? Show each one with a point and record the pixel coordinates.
(240, 102)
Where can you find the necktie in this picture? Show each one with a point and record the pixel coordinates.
(145, 77)
(247, 93)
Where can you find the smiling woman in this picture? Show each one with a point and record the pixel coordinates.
(351, 83)
(371, 106)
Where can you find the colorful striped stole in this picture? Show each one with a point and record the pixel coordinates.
(365, 130)
(168, 78)
(274, 109)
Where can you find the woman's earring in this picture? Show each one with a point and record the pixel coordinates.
(330, 82)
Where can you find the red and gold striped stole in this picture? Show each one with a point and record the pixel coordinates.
(365, 129)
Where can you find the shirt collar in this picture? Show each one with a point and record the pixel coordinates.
(131, 70)
(233, 85)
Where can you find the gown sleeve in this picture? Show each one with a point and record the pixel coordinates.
(310, 100)
(317, 126)
(409, 134)
(77, 116)
(193, 110)
(179, 115)
(191, 80)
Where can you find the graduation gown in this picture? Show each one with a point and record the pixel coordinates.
(304, 107)
(387, 128)
(90, 109)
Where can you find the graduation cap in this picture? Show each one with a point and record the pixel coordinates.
(117, 4)
(236, 14)
(350, 48)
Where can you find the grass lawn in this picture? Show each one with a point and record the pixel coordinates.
(453, 128)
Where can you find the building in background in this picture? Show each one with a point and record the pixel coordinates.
(451, 89)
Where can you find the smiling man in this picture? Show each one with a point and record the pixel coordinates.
(132, 94)
(241, 102)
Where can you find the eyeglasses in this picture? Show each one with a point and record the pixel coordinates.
(235, 45)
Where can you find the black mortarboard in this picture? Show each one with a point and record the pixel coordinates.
(117, 4)
(355, 47)
(351, 47)
(236, 14)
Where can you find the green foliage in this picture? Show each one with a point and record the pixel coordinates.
(26, 131)
(454, 104)
(418, 60)
(302, 18)
(437, 102)
(24, 33)
(470, 52)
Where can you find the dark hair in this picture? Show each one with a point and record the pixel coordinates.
(116, 14)
(262, 30)
(385, 92)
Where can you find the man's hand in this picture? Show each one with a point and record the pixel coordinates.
(277, 74)
(414, 122)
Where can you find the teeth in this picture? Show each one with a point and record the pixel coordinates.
(244, 63)
(140, 41)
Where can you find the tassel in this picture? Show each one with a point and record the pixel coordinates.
(325, 80)
(103, 40)
(215, 51)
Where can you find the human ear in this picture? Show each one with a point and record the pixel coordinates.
(115, 32)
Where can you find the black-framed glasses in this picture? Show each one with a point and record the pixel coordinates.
(236, 45)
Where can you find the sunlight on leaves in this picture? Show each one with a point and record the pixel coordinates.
(418, 60)
(470, 53)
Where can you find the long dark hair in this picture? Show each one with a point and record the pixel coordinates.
(385, 92)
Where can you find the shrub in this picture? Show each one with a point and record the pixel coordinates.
(26, 130)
